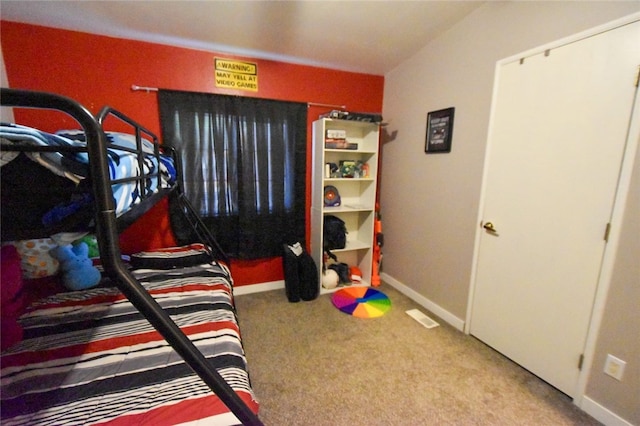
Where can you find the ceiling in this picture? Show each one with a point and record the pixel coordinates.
(371, 37)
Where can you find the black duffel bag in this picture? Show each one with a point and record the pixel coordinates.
(301, 276)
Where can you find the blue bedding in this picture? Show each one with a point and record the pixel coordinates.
(75, 165)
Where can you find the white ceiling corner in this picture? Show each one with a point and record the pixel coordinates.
(371, 37)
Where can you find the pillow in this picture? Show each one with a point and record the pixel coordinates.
(36, 261)
(11, 274)
(11, 297)
(11, 329)
(172, 257)
(17, 133)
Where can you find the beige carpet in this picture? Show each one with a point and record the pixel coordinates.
(311, 364)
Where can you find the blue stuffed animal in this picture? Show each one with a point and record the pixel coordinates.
(78, 272)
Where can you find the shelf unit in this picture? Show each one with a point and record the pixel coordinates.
(358, 195)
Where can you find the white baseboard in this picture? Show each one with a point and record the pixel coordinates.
(423, 301)
(602, 413)
(257, 288)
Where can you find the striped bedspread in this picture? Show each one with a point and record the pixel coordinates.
(90, 357)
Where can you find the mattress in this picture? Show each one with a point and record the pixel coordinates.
(123, 163)
(89, 357)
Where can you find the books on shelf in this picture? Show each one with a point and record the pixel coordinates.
(336, 134)
(339, 144)
(337, 139)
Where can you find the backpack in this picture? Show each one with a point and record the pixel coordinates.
(342, 269)
(301, 279)
(334, 233)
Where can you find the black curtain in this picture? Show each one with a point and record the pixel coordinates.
(243, 165)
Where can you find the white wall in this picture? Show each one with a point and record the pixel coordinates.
(429, 203)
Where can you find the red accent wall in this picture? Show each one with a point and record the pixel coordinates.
(98, 70)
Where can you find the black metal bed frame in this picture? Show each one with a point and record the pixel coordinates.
(108, 227)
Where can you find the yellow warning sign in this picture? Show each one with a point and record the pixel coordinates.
(238, 75)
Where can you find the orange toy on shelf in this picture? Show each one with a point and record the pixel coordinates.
(378, 241)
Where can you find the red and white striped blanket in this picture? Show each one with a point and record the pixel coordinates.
(90, 357)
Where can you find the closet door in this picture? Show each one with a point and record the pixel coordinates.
(559, 128)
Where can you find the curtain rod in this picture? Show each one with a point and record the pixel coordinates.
(137, 88)
(326, 105)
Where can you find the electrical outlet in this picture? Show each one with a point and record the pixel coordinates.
(614, 367)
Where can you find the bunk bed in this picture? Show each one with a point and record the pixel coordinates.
(157, 341)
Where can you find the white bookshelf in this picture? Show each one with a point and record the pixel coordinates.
(358, 194)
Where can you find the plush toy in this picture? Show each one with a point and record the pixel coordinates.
(330, 279)
(78, 272)
(92, 242)
(355, 274)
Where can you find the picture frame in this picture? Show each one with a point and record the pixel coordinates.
(439, 131)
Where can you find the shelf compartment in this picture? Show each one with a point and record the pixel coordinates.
(369, 158)
(364, 134)
(359, 226)
(358, 193)
(361, 259)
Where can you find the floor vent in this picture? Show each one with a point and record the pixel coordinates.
(422, 318)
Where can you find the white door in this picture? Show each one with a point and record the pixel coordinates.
(557, 137)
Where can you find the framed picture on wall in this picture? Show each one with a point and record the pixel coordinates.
(439, 131)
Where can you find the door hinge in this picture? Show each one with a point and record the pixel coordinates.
(580, 362)
(607, 231)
